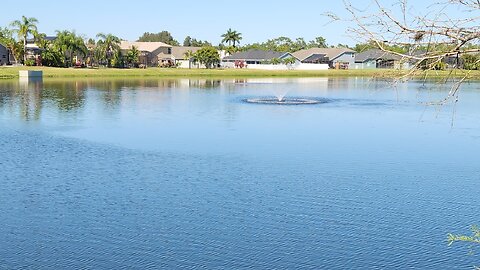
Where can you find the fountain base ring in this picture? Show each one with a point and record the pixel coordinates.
(286, 101)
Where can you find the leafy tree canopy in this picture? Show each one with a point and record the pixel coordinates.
(192, 42)
(286, 44)
(207, 56)
(163, 36)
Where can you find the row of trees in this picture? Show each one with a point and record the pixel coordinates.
(232, 38)
(285, 44)
(66, 48)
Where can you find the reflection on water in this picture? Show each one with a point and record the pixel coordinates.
(27, 97)
(183, 173)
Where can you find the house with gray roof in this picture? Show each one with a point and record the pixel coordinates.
(256, 57)
(333, 57)
(376, 58)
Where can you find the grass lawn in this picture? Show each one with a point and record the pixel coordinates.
(12, 72)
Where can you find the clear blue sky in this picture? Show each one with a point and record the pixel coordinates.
(257, 20)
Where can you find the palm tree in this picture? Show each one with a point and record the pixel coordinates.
(227, 37)
(70, 44)
(133, 56)
(23, 28)
(231, 36)
(236, 37)
(108, 45)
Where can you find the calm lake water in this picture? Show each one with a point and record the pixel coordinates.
(184, 174)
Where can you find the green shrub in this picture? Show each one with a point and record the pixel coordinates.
(471, 61)
(30, 62)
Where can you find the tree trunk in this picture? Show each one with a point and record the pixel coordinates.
(24, 49)
(10, 52)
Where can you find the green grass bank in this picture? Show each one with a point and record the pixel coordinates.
(48, 72)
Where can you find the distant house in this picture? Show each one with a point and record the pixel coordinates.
(151, 53)
(180, 59)
(333, 57)
(376, 58)
(4, 59)
(252, 57)
(255, 59)
(454, 61)
(32, 50)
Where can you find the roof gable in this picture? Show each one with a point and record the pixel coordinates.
(331, 53)
(178, 52)
(143, 46)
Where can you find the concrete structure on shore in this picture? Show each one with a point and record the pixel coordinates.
(30, 74)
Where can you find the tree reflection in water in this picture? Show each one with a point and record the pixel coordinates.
(27, 97)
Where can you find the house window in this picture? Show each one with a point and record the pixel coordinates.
(169, 50)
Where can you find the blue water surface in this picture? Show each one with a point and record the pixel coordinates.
(139, 174)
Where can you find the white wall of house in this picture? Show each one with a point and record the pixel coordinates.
(307, 66)
(365, 65)
(269, 67)
(297, 66)
(372, 64)
(184, 64)
(227, 64)
(402, 65)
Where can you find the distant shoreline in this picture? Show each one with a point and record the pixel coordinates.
(50, 72)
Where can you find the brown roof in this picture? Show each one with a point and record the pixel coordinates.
(143, 46)
(331, 53)
(178, 52)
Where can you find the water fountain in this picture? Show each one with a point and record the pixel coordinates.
(284, 101)
(280, 99)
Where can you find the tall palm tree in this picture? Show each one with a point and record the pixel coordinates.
(236, 37)
(108, 45)
(227, 37)
(23, 28)
(231, 37)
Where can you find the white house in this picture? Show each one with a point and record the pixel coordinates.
(259, 59)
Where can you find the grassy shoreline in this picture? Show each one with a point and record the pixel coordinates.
(48, 72)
